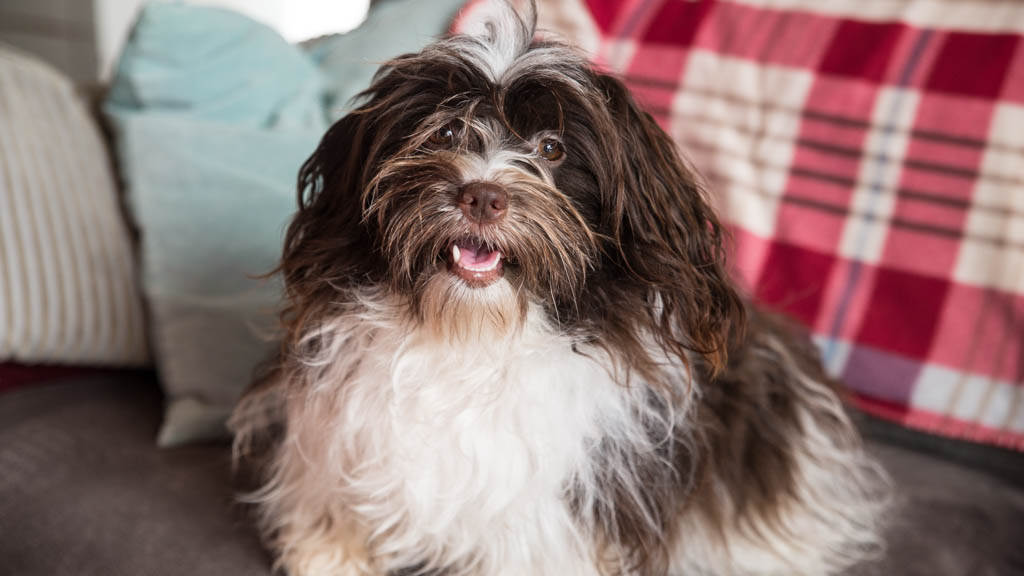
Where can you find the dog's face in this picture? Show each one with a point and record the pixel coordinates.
(483, 180)
(491, 171)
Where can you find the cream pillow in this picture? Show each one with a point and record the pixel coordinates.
(68, 289)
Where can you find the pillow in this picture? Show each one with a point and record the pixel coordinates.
(214, 64)
(68, 290)
(214, 114)
(392, 28)
(868, 156)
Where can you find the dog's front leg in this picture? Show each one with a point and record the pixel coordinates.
(324, 548)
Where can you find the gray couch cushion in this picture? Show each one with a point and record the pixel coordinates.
(949, 520)
(83, 491)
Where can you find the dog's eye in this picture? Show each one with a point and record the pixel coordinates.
(550, 149)
(443, 136)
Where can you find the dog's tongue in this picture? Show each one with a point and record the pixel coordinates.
(475, 264)
(473, 255)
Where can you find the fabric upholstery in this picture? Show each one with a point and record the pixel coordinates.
(16, 375)
(867, 156)
(214, 64)
(68, 291)
(392, 28)
(85, 493)
(214, 113)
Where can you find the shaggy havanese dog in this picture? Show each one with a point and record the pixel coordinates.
(512, 348)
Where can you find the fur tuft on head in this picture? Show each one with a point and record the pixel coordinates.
(502, 31)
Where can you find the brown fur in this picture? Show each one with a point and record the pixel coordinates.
(638, 230)
(620, 246)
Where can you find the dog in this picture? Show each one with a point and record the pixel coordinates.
(511, 347)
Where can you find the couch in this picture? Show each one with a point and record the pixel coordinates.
(85, 492)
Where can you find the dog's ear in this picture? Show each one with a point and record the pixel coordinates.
(666, 236)
(327, 244)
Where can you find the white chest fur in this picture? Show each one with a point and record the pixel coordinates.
(459, 454)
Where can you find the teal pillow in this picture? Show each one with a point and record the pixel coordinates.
(392, 28)
(214, 64)
(214, 114)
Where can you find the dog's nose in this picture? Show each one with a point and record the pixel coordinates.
(483, 202)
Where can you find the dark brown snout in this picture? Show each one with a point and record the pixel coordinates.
(483, 202)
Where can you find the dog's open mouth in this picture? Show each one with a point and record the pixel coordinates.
(476, 263)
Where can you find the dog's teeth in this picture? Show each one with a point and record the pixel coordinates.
(456, 253)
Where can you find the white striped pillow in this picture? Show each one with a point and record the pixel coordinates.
(68, 289)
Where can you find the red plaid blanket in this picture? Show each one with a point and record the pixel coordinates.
(869, 157)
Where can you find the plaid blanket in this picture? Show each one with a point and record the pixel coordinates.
(869, 158)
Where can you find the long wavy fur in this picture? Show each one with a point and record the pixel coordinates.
(610, 406)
